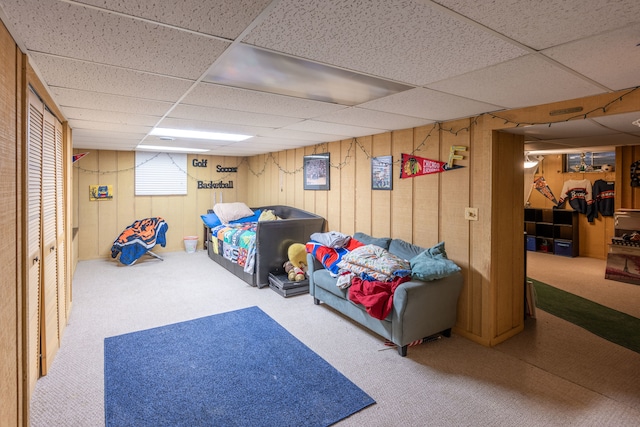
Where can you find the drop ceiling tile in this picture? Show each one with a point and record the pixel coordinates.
(215, 17)
(374, 37)
(102, 126)
(220, 115)
(621, 122)
(211, 95)
(175, 123)
(373, 119)
(611, 59)
(333, 128)
(429, 104)
(303, 136)
(107, 135)
(279, 142)
(85, 76)
(543, 24)
(107, 38)
(522, 82)
(105, 102)
(115, 118)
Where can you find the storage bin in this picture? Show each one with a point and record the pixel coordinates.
(190, 244)
(563, 247)
(531, 243)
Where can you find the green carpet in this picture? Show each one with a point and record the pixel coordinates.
(612, 325)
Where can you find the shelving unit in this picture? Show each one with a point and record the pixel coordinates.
(552, 231)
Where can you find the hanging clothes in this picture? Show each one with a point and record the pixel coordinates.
(579, 194)
(603, 198)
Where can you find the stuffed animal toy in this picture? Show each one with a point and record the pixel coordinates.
(296, 267)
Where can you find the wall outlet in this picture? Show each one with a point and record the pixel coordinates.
(471, 214)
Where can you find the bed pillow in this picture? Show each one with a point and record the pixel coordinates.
(426, 267)
(211, 220)
(228, 212)
(252, 218)
(383, 242)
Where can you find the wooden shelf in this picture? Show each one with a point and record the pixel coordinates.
(552, 231)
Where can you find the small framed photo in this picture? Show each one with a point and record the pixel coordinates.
(316, 172)
(382, 173)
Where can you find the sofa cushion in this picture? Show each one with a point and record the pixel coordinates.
(404, 250)
(383, 242)
(324, 280)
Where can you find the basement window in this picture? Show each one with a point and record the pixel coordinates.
(588, 161)
(160, 174)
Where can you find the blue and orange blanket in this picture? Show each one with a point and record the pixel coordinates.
(139, 238)
(237, 243)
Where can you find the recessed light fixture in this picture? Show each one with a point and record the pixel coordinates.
(197, 134)
(163, 149)
(249, 67)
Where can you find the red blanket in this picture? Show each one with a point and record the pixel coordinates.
(375, 296)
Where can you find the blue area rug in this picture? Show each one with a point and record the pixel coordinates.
(239, 368)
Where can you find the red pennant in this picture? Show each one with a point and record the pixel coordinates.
(413, 166)
(78, 156)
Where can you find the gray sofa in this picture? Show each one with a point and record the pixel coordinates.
(420, 308)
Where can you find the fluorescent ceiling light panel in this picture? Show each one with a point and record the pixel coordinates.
(197, 134)
(248, 67)
(163, 149)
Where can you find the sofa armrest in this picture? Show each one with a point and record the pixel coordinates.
(422, 308)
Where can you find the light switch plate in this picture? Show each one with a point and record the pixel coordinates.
(471, 214)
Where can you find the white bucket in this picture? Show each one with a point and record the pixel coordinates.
(190, 244)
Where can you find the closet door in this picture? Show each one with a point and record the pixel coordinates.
(50, 337)
(34, 248)
(63, 292)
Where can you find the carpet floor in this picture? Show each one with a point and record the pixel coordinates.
(612, 325)
(239, 368)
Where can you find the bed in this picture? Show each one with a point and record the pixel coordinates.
(252, 249)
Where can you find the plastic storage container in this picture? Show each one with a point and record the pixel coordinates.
(190, 244)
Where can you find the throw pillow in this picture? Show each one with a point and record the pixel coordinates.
(383, 242)
(211, 220)
(425, 267)
(228, 212)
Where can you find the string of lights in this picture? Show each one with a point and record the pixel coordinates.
(323, 147)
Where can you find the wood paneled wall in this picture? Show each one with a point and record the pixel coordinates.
(423, 210)
(12, 399)
(99, 223)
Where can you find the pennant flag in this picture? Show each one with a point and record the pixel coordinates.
(413, 166)
(78, 156)
(541, 185)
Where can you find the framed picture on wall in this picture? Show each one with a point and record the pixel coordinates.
(382, 173)
(316, 172)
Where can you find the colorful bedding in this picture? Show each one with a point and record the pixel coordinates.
(138, 238)
(237, 243)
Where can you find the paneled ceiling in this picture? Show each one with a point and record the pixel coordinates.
(293, 73)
